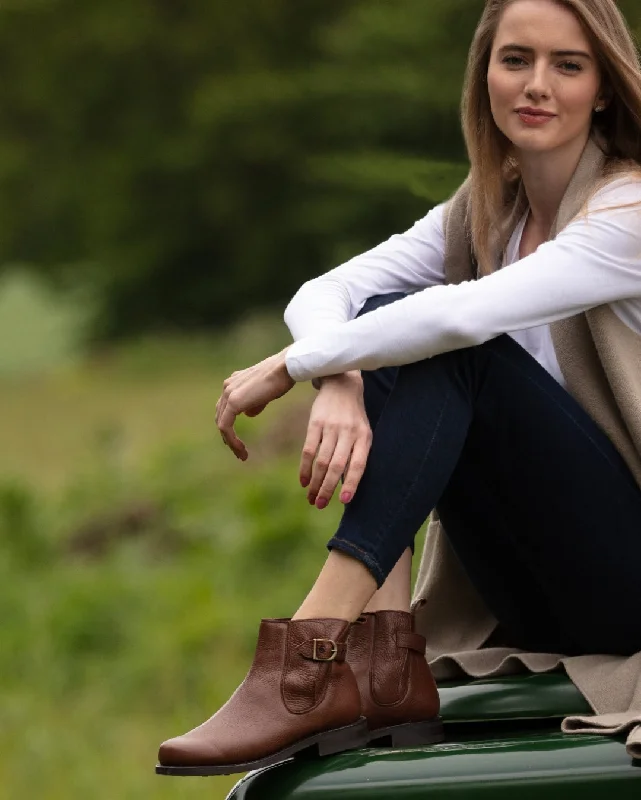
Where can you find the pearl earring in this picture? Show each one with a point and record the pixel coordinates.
(598, 109)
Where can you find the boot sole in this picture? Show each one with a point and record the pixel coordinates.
(350, 737)
(409, 734)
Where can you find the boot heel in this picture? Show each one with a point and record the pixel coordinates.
(417, 733)
(351, 737)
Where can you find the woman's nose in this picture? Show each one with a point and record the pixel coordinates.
(537, 86)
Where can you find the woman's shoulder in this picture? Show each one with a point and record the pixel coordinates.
(609, 225)
(618, 191)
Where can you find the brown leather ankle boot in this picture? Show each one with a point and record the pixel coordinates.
(398, 693)
(298, 694)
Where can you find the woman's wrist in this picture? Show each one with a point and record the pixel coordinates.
(351, 378)
(282, 364)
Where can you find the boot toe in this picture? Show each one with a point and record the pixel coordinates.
(180, 752)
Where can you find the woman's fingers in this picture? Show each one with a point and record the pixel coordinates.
(254, 412)
(356, 466)
(225, 422)
(226, 413)
(250, 391)
(322, 463)
(310, 448)
(335, 469)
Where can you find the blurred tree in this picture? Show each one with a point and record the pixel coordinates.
(391, 147)
(143, 149)
(188, 161)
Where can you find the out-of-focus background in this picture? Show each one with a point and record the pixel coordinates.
(170, 174)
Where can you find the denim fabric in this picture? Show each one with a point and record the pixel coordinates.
(539, 506)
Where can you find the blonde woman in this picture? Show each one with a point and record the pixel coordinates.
(494, 349)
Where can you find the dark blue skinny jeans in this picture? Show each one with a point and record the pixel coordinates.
(540, 508)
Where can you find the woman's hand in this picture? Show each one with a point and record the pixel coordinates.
(338, 440)
(249, 391)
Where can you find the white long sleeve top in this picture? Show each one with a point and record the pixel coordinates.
(595, 260)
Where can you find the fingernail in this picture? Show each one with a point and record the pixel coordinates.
(321, 504)
(304, 482)
(346, 497)
(312, 499)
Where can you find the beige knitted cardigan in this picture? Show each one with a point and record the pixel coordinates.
(600, 358)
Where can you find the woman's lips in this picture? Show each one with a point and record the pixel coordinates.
(535, 119)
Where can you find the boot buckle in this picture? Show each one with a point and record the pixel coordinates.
(318, 651)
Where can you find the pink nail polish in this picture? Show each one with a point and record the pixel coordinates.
(346, 497)
(312, 499)
(322, 503)
(304, 482)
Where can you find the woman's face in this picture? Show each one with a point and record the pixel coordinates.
(543, 77)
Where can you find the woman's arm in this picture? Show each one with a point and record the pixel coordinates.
(595, 260)
(404, 263)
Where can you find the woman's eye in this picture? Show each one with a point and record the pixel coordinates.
(513, 61)
(571, 66)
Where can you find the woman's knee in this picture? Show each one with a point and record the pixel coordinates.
(378, 383)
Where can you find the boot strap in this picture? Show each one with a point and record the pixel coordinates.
(323, 650)
(412, 641)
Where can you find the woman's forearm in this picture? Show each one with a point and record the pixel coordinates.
(319, 305)
(405, 263)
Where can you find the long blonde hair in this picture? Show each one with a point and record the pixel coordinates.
(494, 173)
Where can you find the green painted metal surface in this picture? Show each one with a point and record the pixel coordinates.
(545, 696)
(530, 767)
(503, 741)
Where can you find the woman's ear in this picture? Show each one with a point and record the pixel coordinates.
(603, 100)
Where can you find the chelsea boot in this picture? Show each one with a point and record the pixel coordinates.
(398, 693)
(299, 694)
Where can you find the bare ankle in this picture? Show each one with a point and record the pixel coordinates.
(342, 590)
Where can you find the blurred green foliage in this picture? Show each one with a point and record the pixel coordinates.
(38, 328)
(186, 161)
(183, 162)
(137, 558)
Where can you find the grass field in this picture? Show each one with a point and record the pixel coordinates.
(106, 649)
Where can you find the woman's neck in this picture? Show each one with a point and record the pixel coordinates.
(546, 177)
